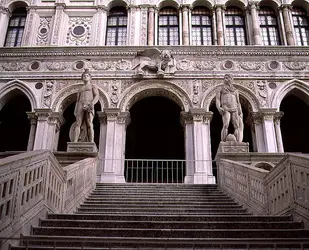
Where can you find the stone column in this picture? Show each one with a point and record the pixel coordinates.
(185, 25)
(220, 37)
(41, 134)
(187, 123)
(114, 147)
(151, 21)
(288, 25)
(258, 127)
(156, 28)
(281, 26)
(214, 24)
(102, 143)
(255, 24)
(57, 25)
(101, 19)
(269, 130)
(201, 147)
(277, 119)
(33, 122)
(55, 121)
(4, 21)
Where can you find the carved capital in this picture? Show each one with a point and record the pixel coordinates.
(197, 114)
(256, 117)
(32, 116)
(207, 117)
(277, 117)
(112, 114)
(124, 118)
(268, 114)
(60, 6)
(102, 117)
(5, 11)
(43, 114)
(185, 7)
(56, 118)
(185, 118)
(102, 8)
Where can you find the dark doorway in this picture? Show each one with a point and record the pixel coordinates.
(155, 132)
(216, 127)
(69, 118)
(14, 123)
(294, 123)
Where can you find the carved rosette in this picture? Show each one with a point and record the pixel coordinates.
(79, 31)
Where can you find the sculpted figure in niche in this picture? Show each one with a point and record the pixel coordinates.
(228, 105)
(162, 62)
(87, 97)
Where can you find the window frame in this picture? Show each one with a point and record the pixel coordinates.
(117, 12)
(21, 15)
(236, 26)
(201, 26)
(267, 26)
(298, 26)
(168, 26)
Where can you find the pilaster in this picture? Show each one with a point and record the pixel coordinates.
(201, 147)
(31, 22)
(58, 24)
(41, 134)
(55, 122)
(101, 18)
(267, 116)
(113, 150)
(259, 135)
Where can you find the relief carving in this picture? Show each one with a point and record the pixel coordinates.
(153, 60)
(13, 66)
(115, 93)
(47, 96)
(205, 65)
(251, 66)
(57, 65)
(195, 90)
(295, 65)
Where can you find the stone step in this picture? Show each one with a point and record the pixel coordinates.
(164, 243)
(158, 195)
(180, 218)
(170, 233)
(160, 202)
(162, 199)
(158, 205)
(158, 210)
(170, 224)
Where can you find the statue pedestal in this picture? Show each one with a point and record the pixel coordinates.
(88, 147)
(233, 147)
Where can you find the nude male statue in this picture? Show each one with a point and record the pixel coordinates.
(228, 105)
(87, 97)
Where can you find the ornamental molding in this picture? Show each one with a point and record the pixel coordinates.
(193, 52)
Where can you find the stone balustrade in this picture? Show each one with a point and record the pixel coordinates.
(34, 183)
(282, 190)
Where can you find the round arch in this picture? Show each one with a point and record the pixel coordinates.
(113, 3)
(237, 3)
(243, 92)
(277, 97)
(274, 4)
(7, 92)
(168, 3)
(64, 98)
(154, 88)
(12, 5)
(208, 4)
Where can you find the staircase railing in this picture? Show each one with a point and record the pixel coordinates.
(34, 183)
(282, 190)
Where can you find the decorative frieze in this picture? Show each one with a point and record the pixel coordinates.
(43, 31)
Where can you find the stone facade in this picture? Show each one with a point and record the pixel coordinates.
(48, 66)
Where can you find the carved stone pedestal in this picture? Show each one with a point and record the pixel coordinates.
(233, 147)
(89, 147)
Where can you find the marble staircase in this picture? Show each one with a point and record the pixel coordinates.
(165, 216)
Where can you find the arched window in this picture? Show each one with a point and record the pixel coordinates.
(235, 30)
(301, 27)
(15, 31)
(116, 32)
(168, 27)
(201, 26)
(269, 26)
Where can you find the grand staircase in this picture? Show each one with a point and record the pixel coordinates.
(167, 216)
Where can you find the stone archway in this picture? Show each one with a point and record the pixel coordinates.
(294, 127)
(14, 123)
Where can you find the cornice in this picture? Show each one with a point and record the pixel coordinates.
(131, 51)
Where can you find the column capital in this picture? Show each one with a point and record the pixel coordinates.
(185, 118)
(112, 113)
(207, 117)
(102, 117)
(256, 117)
(43, 114)
(277, 117)
(56, 118)
(185, 7)
(253, 4)
(60, 6)
(268, 114)
(102, 8)
(124, 118)
(4, 10)
(286, 6)
(32, 116)
(197, 114)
